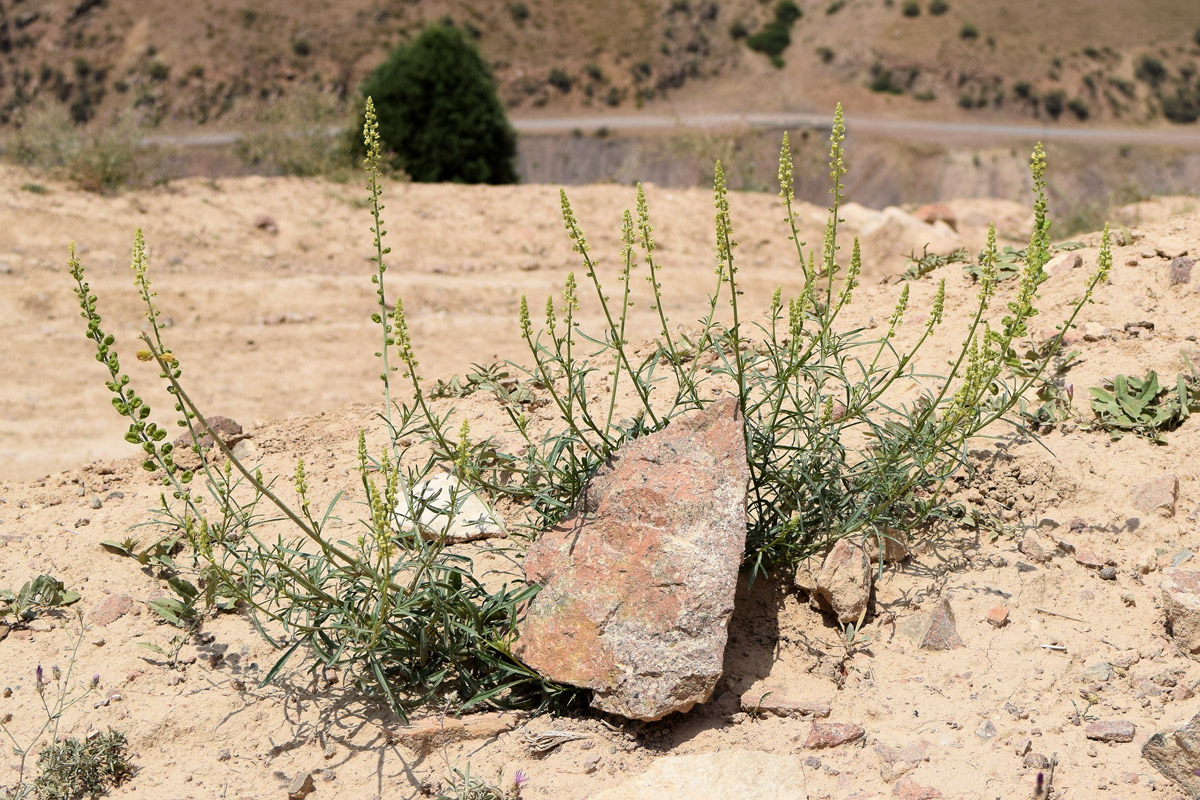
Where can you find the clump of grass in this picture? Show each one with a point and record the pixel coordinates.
(1143, 406)
(97, 160)
(833, 450)
(297, 135)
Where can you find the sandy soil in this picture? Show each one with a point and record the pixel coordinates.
(272, 329)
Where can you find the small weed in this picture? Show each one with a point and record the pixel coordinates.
(43, 593)
(968, 31)
(1150, 70)
(938, 7)
(560, 80)
(1079, 108)
(1143, 406)
(835, 7)
(519, 12)
(69, 768)
(34, 188)
(825, 54)
(465, 786)
(911, 8)
(927, 262)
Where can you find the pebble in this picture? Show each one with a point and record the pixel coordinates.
(1036, 761)
(301, 787)
(1116, 730)
(95, 502)
(224, 755)
(997, 617)
(832, 734)
(1108, 574)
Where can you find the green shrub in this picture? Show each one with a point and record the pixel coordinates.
(1079, 108)
(825, 54)
(771, 40)
(968, 31)
(787, 12)
(938, 7)
(1196, 36)
(1150, 70)
(1023, 89)
(834, 7)
(158, 72)
(911, 8)
(883, 82)
(837, 443)
(1183, 106)
(301, 46)
(738, 30)
(73, 769)
(439, 115)
(519, 12)
(560, 80)
(1054, 102)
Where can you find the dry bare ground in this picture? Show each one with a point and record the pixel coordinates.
(272, 329)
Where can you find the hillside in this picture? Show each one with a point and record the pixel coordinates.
(218, 62)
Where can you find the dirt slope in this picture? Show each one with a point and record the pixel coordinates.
(272, 330)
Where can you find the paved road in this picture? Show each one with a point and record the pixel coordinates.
(1187, 136)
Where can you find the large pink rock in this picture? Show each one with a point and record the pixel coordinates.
(638, 581)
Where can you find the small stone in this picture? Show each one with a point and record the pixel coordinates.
(1180, 271)
(1097, 673)
(941, 633)
(986, 730)
(1025, 746)
(832, 734)
(1087, 558)
(1131, 262)
(301, 787)
(1062, 263)
(1036, 761)
(95, 502)
(1095, 332)
(896, 761)
(224, 755)
(908, 789)
(1147, 561)
(591, 763)
(997, 616)
(1108, 573)
(1117, 730)
(111, 609)
(1157, 496)
(842, 585)
(175, 680)
(228, 429)
(83, 522)
(265, 222)
(997, 560)
(775, 700)
(330, 751)
(1032, 549)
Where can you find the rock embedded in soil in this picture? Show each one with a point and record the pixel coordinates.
(776, 701)
(1032, 549)
(842, 585)
(637, 583)
(1180, 271)
(896, 761)
(426, 735)
(997, 616)
(1176, 754)
(229, 431)
(908, 789)
(941, 632)
(301, 787)
(720, 775)
(111, 609)
(832, 734)
(1157, 496)
(1181, 602)
(1114, 730)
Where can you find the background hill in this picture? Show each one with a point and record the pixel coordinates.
(216, 62)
